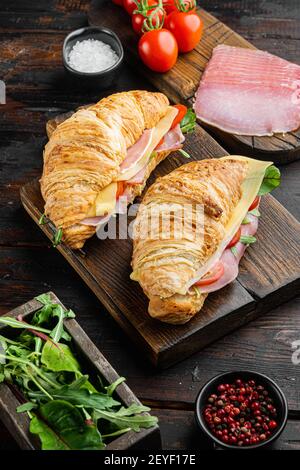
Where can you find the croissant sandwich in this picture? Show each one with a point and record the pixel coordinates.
(177, 269)
(105, 151)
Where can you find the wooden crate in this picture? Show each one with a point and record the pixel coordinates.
(18, 423)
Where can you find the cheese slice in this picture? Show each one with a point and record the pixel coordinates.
(157, 134)
(106, 200)
(250, 187)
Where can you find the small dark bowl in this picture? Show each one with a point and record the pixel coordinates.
(105, 78)
(229, 377)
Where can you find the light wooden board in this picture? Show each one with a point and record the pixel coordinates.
(181, 82)
(269, 274)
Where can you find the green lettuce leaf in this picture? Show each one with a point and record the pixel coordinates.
(188, 123)
(271, 180)
(63, 427)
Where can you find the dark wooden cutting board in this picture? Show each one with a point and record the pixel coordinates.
(181, 82)
(269, 274)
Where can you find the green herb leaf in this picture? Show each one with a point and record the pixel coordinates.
(246, 221)
(66, 427)
(112, 387)
(128, 417)
(271, 180)
(247, 239)
(255, 212)
(58, 332)
(27, 407)
(234, 250)
(49, 439)
(188, 123)
(184, 153)
(13, 323)
(57, 237)
(42, 220)
(79, 397)
(59, 357)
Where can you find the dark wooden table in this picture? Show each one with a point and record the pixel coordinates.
(31, 36)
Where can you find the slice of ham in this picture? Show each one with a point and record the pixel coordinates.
(136, 151)
(249, 92)
(173, 140)
(139, 177)
(231, 260)
(97, 220)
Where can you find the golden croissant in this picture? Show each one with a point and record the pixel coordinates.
(100, 152)
(177, 269)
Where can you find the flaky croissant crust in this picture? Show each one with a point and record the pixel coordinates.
(84, 154)
(164, 267)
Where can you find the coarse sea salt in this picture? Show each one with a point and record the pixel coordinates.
(92, 55)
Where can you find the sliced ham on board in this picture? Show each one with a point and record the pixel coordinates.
(249, 92)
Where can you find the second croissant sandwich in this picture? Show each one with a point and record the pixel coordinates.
(178, 269)
(104, 151)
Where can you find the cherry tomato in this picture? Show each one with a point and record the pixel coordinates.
(120, 189)
(255, 203)
(182, 110)
(129, 6)
(138, 19)
(158, 50)
(235, 239)
(118, 2)
(170, 5)
(187, 29)
(213, 277)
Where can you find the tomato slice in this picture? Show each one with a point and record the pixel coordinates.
(215, 276)
(120, 189)
(255, 203)
(235, 239)
(182, 110)
(160, 142)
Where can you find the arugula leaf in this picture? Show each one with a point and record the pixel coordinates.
(27, 407)
(79, 397)
(59, 357)
(68, 426)
(271, 180)
(128, 417)
(59, 332)
(247, 239)
(112, 387)
(188, 123)
(13, 323)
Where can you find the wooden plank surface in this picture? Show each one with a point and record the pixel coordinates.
(28, 266)
(105, 267)
(182, 81)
